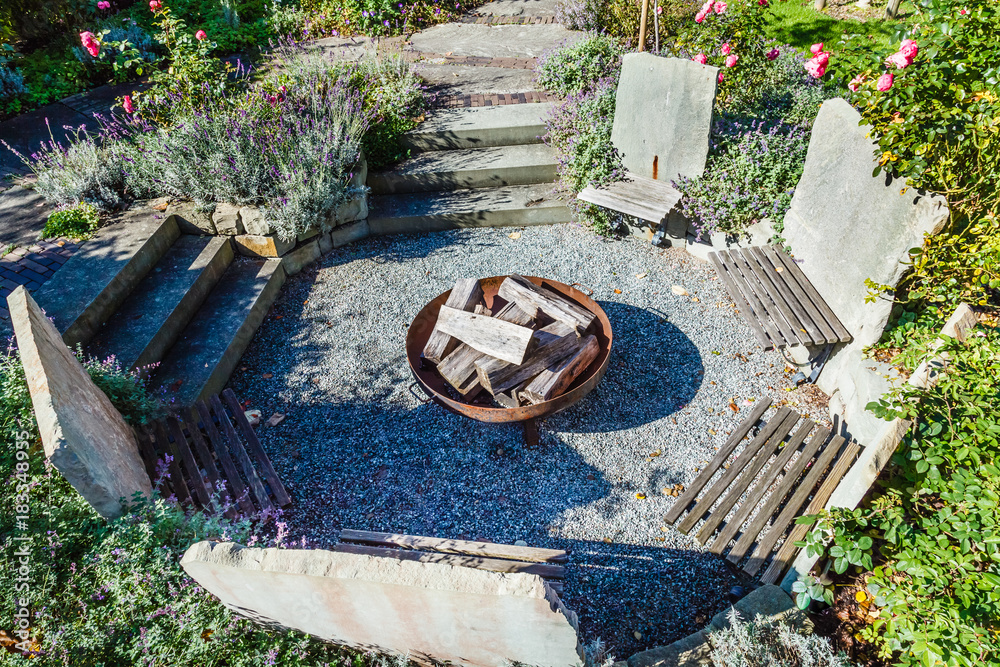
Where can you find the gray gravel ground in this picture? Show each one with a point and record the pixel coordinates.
(359, 449)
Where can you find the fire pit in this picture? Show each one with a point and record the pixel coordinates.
(480, 408)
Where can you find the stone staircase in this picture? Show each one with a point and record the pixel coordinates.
(147, 294)
(472, 167)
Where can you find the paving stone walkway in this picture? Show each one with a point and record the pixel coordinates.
(31, 266)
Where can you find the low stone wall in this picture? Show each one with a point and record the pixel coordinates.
(427, 610)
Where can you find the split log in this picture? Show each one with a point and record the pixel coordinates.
(459, 368)
(532, 298)
(555, 380)
(511, 399)
(465, 295)
(498, 376)
(510, 342)
(482, 310)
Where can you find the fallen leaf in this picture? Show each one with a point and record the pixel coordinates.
(515, 235)
(449, 53)
(655, 452)
(734, 407)
(267, 376)
(695, 299)
(315, 380)
(779, 269)
(276, 419)
(253, 416)
(661, 539)
(640, 496)
(278, 317)
(711, 431)
(678, 290)
(716, 352)
(176, 384)
(618, 291)
(637, 634)
(243, 368)
(640, 276)
(606, 539)
(664, 528)
(860, 596)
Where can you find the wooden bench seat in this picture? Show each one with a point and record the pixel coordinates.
(638, 196)
(777, 300)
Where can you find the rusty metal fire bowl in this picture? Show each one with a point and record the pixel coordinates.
(481, 409)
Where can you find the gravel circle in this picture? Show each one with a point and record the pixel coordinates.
(360, 449)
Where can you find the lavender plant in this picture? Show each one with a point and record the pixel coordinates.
(585, 15)
(765, 643)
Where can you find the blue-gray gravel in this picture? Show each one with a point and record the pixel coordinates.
(360, 449)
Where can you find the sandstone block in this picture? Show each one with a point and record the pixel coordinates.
(83, 434)
(191, 218)
(349, 233)
(446, 612)
(253, 245)
(227, 219)
(302, 256)
(253, 221)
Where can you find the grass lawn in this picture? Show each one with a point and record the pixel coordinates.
(796, 22)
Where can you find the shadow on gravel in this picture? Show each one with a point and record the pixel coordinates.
(653, 372)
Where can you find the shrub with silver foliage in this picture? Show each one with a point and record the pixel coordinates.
(11, 82)
(766, 643)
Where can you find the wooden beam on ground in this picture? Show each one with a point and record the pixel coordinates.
(493, 564)
(466, 547)
(532, 299)
(505, 341)
(465, 295)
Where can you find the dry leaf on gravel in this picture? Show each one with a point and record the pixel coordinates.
(276, 419)
(515, 235)
(678, 290)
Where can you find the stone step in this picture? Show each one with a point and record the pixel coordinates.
(510, 206)
(468, 168)
(204, 356)
(153, 316)
(94, 282)
(481, 127)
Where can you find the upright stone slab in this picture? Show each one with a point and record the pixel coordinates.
(83, 434)
(845, 225)
(428, 610)
(663, 115)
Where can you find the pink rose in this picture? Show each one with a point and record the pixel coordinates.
(200, 35)
(127, 104)
(963, 12)
(909, 49)
(815, 69)
(721, 77)
(884, 82)
(700, 58)
(699, 17)
(93, 50)
(720, 7)
(731, 60)
(762, 3)
(898, 59)
(87, 38)
(726, 49)
(823, 58)
(659, 9)
(707, 7)
(816, 48)
(154, 5)
(773, 54)
(856, 83)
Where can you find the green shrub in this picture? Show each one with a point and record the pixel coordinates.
(75, 222)
(927, 544)
(578, 68)
(766, 643)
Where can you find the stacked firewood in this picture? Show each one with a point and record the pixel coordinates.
(529, 351)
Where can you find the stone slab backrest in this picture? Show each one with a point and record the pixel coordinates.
(455, 613)
(845, 226)
(663, 115)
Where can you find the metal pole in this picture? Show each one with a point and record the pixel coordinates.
(642, 25)
(656, 25)
(892, 9)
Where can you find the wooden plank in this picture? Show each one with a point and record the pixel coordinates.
(800, 297)
(809, 328)
(497, 376)
(495, 565)
(741, 304)
(632, 207)
(776, 470)
(701, 508)
(240, 455)
(177, 483)
(691, 493)
(196, 483)
(786, 554)
(746, 478)
(532, 299)
(795, 273)
(237, 490)
(779, 311)
(204, 453)
(510, 342)
(146, 452)
(555, 380)
(746, 286)
(466, 547)
(465, 295)
(277, 488)
(788, 514)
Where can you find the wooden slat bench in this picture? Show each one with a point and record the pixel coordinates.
(209, 455)
(777, 300)
(546, 563)
(637, 196)
(766, 486)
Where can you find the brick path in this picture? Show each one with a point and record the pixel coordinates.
(459, 101)
(32, 266)
(508, 20)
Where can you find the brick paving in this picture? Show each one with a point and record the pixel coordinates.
(32, 266)
(508, 20)
(500, 99)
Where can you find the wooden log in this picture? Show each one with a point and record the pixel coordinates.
(482, 310)
(555, 380)
(465, 295)
(498, 376)
(510, 342)
(532, 298)
(459, 368)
